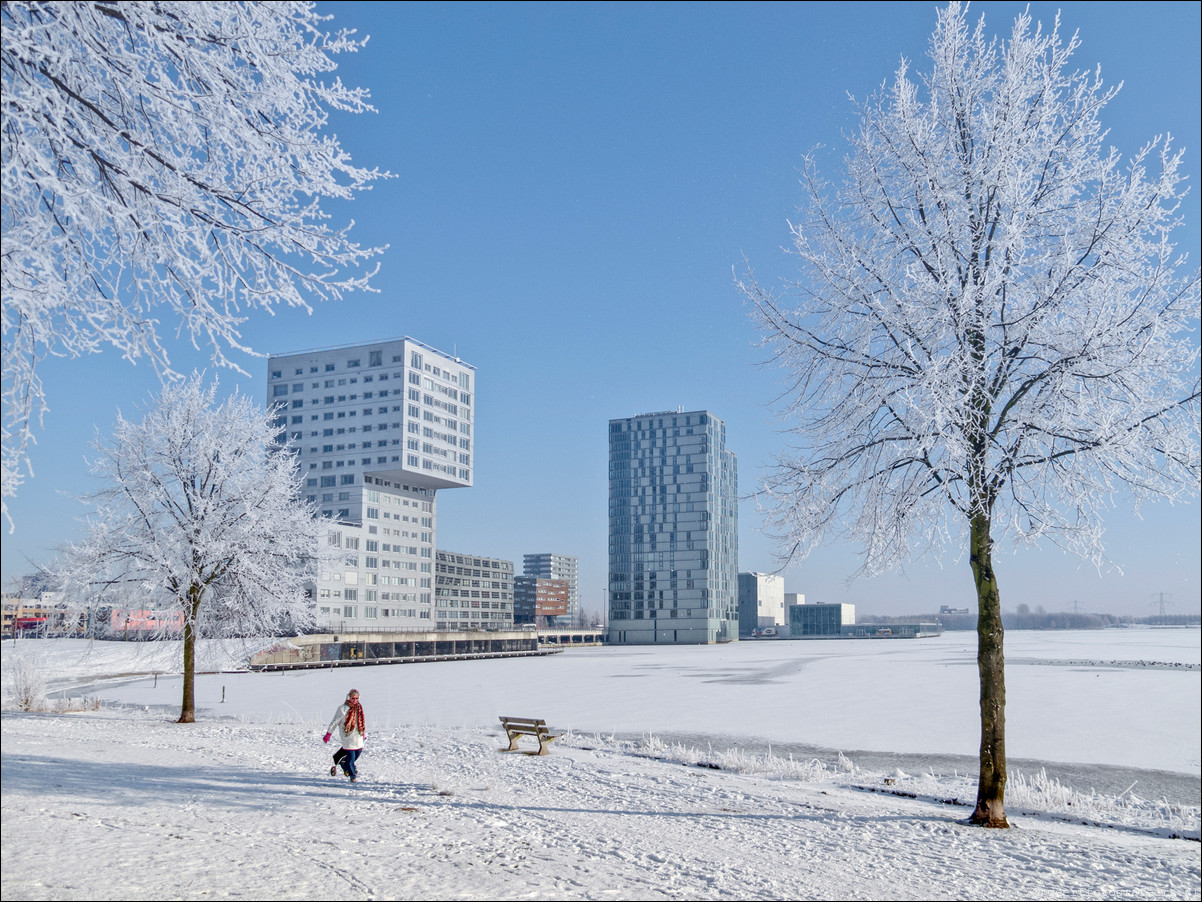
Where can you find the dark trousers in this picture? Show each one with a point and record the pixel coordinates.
(346, 759)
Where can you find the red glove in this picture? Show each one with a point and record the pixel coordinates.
(326, 738)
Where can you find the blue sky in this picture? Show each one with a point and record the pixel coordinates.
(574, 185)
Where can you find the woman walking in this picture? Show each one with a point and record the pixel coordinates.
(352, 730)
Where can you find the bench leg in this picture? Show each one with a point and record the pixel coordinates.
(543, 742)
(513, 742)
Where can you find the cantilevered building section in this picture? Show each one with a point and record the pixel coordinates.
(379, 429)
(673, 530)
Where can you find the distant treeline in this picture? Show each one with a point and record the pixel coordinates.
(1064, 620)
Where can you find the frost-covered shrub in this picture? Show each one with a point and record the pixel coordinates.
(25, 681)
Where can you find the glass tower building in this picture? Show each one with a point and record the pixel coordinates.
(673, 530)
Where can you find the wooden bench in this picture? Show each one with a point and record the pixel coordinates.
(527, 726)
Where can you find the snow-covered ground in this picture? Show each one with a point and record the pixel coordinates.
(770, 769)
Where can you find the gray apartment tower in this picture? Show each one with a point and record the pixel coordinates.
(673, 530)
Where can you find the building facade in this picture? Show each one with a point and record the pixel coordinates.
(539, 600)
(673, 530)
(373, 581)
(472, 592)
(557, 566)
(761, 601)
(820, 619)
(379, 429)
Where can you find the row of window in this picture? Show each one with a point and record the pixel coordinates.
(371, 612)
(374, 358)
(281, 388)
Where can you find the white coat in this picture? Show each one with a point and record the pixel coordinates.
(351, 740)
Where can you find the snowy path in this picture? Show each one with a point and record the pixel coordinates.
(130, 806)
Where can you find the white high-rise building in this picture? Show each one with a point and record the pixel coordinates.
(557, 566)
(379, 429)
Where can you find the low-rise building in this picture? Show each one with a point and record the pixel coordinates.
(820, 619)
(540, 601)
(472, 591)
(43, 615)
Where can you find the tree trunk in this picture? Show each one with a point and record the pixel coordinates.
(991, 664)
(187, 712)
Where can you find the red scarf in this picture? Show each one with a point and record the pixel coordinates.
(355, 721)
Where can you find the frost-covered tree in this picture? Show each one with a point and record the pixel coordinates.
(199, 516)
(165, 159)
(992, 335)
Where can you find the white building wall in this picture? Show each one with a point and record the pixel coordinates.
(379, 428)
(761, 601)
(383, 577)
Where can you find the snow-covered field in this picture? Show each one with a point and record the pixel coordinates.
(770, 769)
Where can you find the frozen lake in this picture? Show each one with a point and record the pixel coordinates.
(1091, 706)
